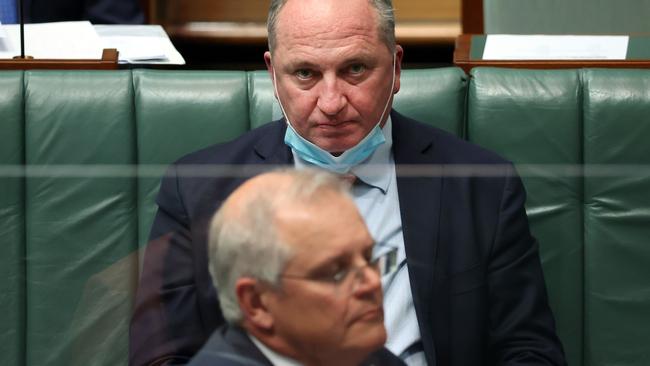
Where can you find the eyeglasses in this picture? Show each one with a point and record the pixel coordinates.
(381, 265)
(343, 275)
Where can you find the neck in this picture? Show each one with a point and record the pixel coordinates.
(306, 354)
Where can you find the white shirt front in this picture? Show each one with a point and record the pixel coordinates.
(275, 358)
(377, 200)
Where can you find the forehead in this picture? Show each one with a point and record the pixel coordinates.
(327, 24)
(323, 230)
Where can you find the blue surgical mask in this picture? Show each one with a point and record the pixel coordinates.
(341, 164)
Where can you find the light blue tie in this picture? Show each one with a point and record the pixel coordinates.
(8, 13)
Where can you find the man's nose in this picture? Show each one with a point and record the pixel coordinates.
(367, 281)
(331, 100)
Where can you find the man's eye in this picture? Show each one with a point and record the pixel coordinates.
(304, 74)
(357, 69)
(335, 273)
(339, 276)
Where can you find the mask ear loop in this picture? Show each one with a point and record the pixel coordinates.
(390, 95)
(277, 96)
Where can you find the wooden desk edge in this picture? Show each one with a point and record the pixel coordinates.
(107, 62)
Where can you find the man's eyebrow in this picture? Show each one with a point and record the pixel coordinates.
(301, 64)
(363, 59)
(330, 260)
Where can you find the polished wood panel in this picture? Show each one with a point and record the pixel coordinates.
(472, 16)
(181, 11)
(430, 10)
(255, 33)
(244, 21)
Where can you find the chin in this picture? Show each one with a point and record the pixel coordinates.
(336, 144)
(338, 140)
(370, 338)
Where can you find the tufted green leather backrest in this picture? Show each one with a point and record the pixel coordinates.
(533, 118)
(178, 112)
(585, 133)
(12, 219)
(80, 220)
(617, 217)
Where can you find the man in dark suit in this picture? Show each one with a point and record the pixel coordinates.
(298, 283)
(467, 288)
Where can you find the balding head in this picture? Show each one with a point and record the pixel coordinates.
(385, 20)
(244, 240)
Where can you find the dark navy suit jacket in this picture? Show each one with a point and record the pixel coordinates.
(474, 267)
(230, 346)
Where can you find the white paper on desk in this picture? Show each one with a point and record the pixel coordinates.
(547, 47)
(140, 44)
(60, 40)
(136, 48)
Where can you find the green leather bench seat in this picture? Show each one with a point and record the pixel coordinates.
(617, 217)
(81, 223)
(12, 220)
(534, 118)
(74, 221)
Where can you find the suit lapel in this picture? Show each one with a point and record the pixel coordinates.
(419, 200)
(271, 148)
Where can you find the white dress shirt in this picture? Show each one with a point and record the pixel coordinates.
(376, 198)
(275, 358)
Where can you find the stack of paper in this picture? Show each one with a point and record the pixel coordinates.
(554, 47)
(63, 40)
(140, 43)
(82, 40)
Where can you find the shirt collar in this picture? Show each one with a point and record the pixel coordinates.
(376, 170)
(275, 358)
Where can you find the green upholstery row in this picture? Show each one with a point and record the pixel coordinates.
(82, 154)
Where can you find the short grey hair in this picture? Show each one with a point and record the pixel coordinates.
(247, 244)
(385, 15)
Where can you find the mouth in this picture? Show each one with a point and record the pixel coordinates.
(333, 124)
(374, 314)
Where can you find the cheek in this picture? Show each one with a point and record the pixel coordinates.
(330, 315)
(299, 104)
(366, 106)
(315, 323)
(370, 99)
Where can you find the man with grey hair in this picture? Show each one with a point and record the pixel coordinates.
(292, 259)
(467, 287)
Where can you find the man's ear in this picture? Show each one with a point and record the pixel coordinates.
(267, 61)
(269, 68)
(399, 54)
(250, 295)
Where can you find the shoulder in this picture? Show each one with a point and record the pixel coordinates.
(196, 183)
(229, 346)
(238, 150)
(446, 147)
